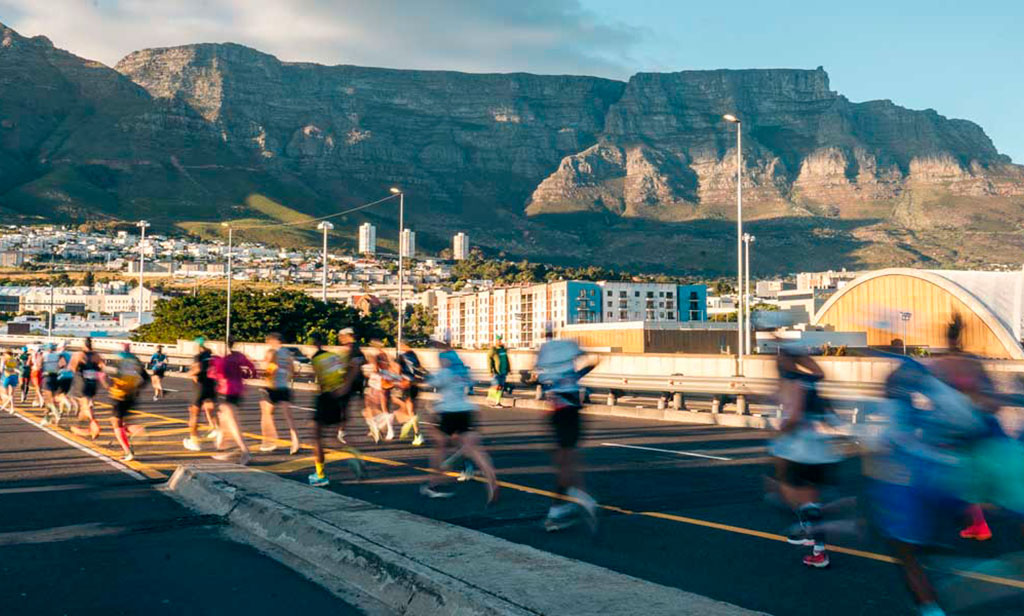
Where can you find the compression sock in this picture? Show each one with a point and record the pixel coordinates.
(122, 437)
(319, 468)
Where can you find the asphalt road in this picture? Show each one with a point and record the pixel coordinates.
(78, 536)
(683, 506)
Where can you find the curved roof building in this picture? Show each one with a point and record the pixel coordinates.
(990, 303)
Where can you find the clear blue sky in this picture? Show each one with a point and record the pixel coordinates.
(963, 59)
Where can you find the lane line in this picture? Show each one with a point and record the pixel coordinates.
(57, 488)
(678, 453)
(89, 450)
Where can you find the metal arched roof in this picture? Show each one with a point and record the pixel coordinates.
(997, 298)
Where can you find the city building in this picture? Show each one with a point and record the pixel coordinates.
(824, 280)
(521, 313)
(12, 258)
(802, 304)
(408, 243)
(654, 337)
(769, 289)
(99, 298)
(367, 239)
(460, 246)
(896, 306)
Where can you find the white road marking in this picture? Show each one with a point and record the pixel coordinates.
(57, 488)
(678, 453)
(302, 408)
(60, 533)
(95, 454)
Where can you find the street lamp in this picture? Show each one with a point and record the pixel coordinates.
(905, 317)
(227, 319)
(401, 264)
(739, 237)
(325, 226)
(143, 225)
(748, 239)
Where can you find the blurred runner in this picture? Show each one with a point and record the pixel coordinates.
(336, 375)
(230, 372)
(497, 363)
(411, 375)
(559, 378)
(37, 376)
(89, 366)
(25, 362)
(158, 368)
(127, 379)
(375, 403)
(280, 363)
(806, 457)
(455, 425)
(206, 397)
(65, 378)
(11, 370)
(51, 367)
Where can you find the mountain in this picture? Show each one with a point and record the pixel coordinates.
(637, 174)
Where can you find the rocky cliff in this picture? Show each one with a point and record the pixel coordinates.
(561, 167)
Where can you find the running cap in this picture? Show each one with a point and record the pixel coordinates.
(200, 340)
(51, 346)
(347, 331)
(497, 337)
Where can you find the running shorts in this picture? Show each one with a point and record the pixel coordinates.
(409, 393)
(123, 407)
(11, 380)
(50, 383)
(233, 399)
(159, 373)
(330, 409)
(64, 385)
(37, 378)
(277, 394)
(800, 475)
(206, 391)
(89, 388)
(458, 422)
(568, 425)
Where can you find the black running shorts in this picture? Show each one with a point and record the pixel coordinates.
(807, 475)
(89, 388)
(64, 385)
(455, 423)
(330, 409)
(206, 391)
(50, 382)
(233, 399)
(123, 407)
(277, 394)
(568, 426)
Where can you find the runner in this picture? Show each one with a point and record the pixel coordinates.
(37, 376)
(231, 372)
(89, 365)
(411, 374)
(128, 378)
(11, 369)
(25, 363)
(559, 378)
(280, 363)
(375, 400)
(336, 375)
(51, 366)
(497, 362)
(455, 420)
(65, 378)
(206, 397)
(805, 457)
(158, 368)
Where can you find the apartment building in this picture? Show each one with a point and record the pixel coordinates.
(367, 239)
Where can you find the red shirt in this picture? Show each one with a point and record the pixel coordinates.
(231, 372)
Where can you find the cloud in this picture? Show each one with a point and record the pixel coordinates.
(541, 36)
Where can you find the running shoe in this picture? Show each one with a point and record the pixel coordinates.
(357, 467)
(554, 524)
(128, 457)
(468, 472)
(191, 444)
(978, 532)
(374, 433)
(155, 397)
(318, 481)
(406, 429)
(589, 506)
(818, 561)
(341, 437)
(799, 534)
(417, 440)
(223, 456)
(294, 449)
(212, 434)
(268, 447)
(433, 492)
(391, 432)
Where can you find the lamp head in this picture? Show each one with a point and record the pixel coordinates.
(731, 118)
(395, 191)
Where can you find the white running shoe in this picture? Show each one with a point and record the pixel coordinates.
(192, 444)
(212, 434)
(223, 456)
(417, 440)
(128, 457)
(432, 492)
(268, 447)
(341, 437)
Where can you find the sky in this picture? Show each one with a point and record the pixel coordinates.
(963, 59)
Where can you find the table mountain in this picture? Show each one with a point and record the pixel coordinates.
(566, 168)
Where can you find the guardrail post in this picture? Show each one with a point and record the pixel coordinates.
(661, 403)
(856, 415)
(778, 413)
(584, 395)
(741, 405)
(611, 398)
(677, 401)
(716, 405)
(539, 393)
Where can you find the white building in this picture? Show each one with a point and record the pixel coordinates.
(95, 299)
(460, 246)
(367, 239)
(408, 243)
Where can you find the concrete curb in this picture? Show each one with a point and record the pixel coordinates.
(418, 566)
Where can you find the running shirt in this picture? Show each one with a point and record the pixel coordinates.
(158, 362)
(204, 359)
(11, 366)
(89, 367)
(51, 362)
(556, 366)
(129, 375)
(231, 371)
(331, 369)
(279, 371)
(37, 361)
(451, 382)
(65, 370)
(412, 369)
(374, 378)
(25, 361)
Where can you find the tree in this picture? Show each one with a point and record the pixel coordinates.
(722, 287)
(89, 280)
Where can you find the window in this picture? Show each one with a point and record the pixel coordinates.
(650, 294)
(609, 304)
(636, 293)
(661, 294)
(669, 295)
(609, 293)
(610, 315)
(661, 304)
(622, 294)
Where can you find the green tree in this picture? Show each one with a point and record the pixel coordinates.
(89, 280)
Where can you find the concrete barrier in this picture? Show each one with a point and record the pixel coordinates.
(418, 566)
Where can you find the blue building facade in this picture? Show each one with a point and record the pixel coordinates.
(693, 302)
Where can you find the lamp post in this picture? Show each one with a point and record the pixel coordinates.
(905, 317)
(227, 319)
(739, 238)
(142, 224)
(401, 264)
(748, 239)
(49, 316)
(325, 226)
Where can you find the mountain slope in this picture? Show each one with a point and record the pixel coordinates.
(562, 168)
